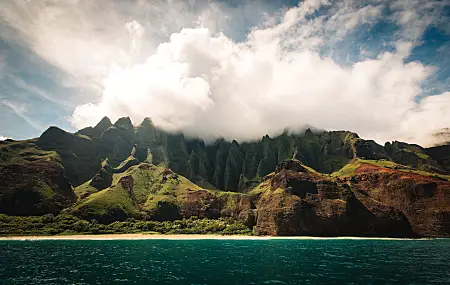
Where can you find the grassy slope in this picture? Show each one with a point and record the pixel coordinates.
(151, 186)
(106, 202)
(350, 169)
(18, 152)
(85, 188)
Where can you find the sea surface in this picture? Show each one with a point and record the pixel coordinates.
(331, 261)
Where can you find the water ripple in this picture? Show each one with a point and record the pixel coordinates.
(225, 262)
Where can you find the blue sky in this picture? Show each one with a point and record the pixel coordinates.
(237, 69)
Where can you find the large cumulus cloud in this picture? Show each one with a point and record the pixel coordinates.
(206, 85)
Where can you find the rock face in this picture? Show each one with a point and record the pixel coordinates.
(307, 203)
(103, 178)
(424, 200)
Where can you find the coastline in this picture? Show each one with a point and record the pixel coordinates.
(142, 236)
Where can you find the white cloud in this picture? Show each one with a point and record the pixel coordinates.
(207, 85)
(414, 16)
(2, 138)
(136, 32)
(21, 111)
(35, 91)
(84, 38)
(201, 81)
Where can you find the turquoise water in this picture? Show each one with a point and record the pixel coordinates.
(225, 262)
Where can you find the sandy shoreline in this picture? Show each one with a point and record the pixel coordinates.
(141, 236)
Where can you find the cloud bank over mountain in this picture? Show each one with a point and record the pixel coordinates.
(181, 65)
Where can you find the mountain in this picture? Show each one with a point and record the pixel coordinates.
(311, 183)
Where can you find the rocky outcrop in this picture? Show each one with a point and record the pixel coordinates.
(103, 178)
(307, 203)
(291, 165)
(208, 204)
(424, 200)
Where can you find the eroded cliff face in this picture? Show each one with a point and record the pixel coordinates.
(424, 200)
(298, 201)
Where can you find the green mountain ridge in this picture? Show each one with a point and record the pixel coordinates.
(313, 183)
(220, 164)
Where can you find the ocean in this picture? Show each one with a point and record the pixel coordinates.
(287, 261)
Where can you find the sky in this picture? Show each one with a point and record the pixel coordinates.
(232, 69)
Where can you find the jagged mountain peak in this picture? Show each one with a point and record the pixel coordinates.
(104, 123)
(124, 122)
(147, 122)
(308, 132)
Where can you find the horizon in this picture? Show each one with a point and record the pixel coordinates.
(231, 69)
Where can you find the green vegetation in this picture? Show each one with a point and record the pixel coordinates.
(269, 158)
(420, 154)
(23, 152)
(348, 170)
(142, 191)
(333, 162)
(383, 163)
(233, 168)
(68, 225)
(85, 189)
(109, 204)
(261, 188)
(197, 169)
(393, 165)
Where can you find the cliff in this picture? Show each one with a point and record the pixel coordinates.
(311, 183)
